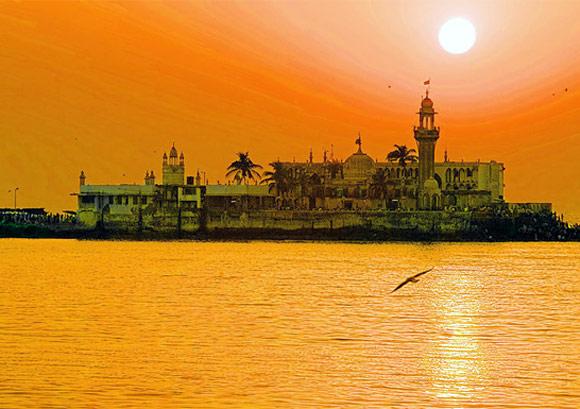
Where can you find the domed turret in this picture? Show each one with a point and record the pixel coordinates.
(427, 104)
(173, 152)
(173, 156)
(173, 169)
(431, 186)
(359, 165)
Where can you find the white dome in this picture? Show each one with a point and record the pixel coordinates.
(431, 186)
(358, 165)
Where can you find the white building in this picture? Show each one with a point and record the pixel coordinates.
(174, 204)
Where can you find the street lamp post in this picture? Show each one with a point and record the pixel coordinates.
(16, 189)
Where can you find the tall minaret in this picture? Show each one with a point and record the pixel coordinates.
(426, 135)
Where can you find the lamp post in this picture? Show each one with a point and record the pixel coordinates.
(16, 189)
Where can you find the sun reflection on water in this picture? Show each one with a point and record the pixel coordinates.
(456, 360)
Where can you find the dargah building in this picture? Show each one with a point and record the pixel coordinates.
(357, 183)
(360, 182)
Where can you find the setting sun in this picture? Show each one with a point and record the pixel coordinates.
(457, 35)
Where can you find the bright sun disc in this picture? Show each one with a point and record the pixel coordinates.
(457, 35)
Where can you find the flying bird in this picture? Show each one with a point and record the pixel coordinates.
(412, 279)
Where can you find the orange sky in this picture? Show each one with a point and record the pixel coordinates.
(107, 87)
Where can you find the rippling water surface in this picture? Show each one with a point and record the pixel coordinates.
(297, 325)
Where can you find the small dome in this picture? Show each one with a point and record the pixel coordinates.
(431, 186)
(427, 103)
(358, 165)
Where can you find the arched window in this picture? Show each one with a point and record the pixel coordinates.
(448, 175)
(426, 201)
(435, 202)
(438, 179)
(452, 200)
(398, 173)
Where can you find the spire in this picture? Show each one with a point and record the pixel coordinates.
(310, 157)
(359, 143)
(173, 152)
(446, 158)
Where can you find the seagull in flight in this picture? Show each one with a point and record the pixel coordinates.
(412, 279)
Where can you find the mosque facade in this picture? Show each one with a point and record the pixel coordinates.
(357, 183)
(362, 183)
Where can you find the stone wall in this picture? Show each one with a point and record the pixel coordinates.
(493, 223)
(417, 221)
(160, 221)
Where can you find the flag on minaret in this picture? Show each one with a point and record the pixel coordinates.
(428, 82)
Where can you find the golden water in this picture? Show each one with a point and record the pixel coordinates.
(296, 325)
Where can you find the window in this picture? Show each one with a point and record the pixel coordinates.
(87, 199)
(135, 200)
(143, 200)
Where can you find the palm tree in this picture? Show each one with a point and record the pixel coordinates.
(381, 186)
(277, 178)
(378, 184)
(402, 154)
(243, 169)
(301, 185)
